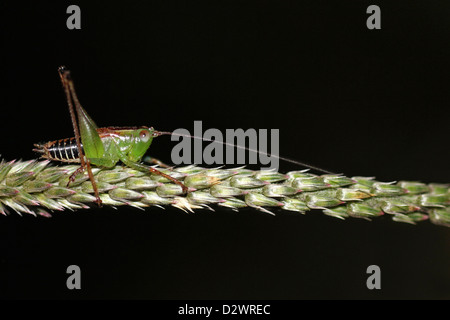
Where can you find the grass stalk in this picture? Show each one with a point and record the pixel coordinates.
(39, 188)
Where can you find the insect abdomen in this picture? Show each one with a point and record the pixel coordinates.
(64, 150)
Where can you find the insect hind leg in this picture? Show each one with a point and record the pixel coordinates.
(73, 176)
(94, 184)
(86, 166)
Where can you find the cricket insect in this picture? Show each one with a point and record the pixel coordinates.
(105, 147)
(102, 147)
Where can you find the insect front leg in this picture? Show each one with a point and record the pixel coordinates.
(156, 161)
(155, 171)
(144, 168)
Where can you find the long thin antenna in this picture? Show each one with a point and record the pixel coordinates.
(161, 133)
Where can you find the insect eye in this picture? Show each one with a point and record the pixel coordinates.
(144, 135)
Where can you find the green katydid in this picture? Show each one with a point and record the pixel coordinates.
(102, 147)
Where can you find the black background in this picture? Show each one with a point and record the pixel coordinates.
(349, 99)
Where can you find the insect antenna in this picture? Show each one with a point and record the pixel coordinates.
(303, 164)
